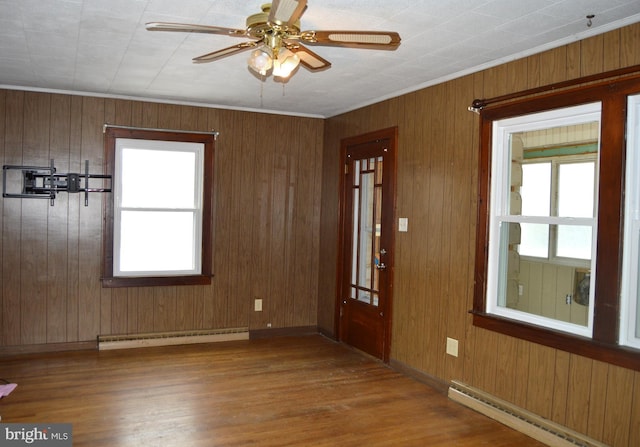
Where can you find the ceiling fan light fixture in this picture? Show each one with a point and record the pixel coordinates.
(261, 60)
(285, 63)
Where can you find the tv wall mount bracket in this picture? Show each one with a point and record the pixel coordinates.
(44, 182)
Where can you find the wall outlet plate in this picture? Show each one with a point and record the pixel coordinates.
(452, 347)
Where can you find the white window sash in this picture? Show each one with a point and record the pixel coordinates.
(499, 206)
(196, 210)
(630, 262)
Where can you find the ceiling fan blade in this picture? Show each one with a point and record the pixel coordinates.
(379, 40)
(188, 28)
(210, 57)
(308, 58)
(285, 12)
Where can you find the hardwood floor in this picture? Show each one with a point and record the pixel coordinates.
(290, 391)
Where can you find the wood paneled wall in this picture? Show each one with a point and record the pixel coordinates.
(433, 286)
(266, 224)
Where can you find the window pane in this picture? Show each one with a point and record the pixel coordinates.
(534, 240)
(157, 241)
(158, 178)
(575, 189)
(536, 189)
(366, 264)
(574, 242)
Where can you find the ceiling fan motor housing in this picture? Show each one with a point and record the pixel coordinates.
(258, 25)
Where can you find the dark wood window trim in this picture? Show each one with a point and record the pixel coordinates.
(208, 139)
(604, 344)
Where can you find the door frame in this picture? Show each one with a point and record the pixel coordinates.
(388, 221)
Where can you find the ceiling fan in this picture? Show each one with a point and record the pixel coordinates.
(276, 39)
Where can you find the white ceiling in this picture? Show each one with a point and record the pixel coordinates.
(100, 47)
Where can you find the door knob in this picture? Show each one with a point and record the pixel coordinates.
(381, 266)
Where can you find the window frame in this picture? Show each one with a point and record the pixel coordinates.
(604, 344)
(112, 134)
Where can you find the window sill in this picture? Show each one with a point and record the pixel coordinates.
(148, 281)
(615, 354)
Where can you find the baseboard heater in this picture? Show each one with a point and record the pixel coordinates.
(106, 342)
(519, 419)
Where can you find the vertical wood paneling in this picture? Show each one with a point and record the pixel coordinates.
(89, 305)
(629, 48)
(597, 399)
(419, 337)
(617, 413)
(401, 317)
(634, 426)
(73, 224)
(264, 252)
(223, 179)
(578, 393)
(57, 224)
(33, 269)
(461, 223)
(244, 170)
(560, 387)
(540, 391)
(522, 373)
(611, 49)
(506, 371)
(11, 230)
(592, 55)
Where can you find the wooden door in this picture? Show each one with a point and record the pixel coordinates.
(367, 242)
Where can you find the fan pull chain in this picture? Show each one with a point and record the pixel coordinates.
(261, 91)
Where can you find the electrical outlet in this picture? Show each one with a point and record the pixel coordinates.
(257, 305)
(452, 347)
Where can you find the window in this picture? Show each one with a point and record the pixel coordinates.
(630, 320)
(159, 232)
(558, 230)
(542, 218)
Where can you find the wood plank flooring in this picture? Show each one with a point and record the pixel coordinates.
(289, 391)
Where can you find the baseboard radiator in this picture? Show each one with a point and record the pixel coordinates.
(106, 342)
(519, 419)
